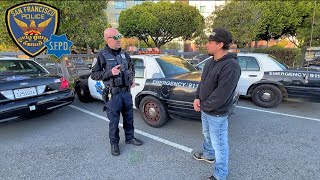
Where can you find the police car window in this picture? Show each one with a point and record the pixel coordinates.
(248, 63)
(172, 66)
(279, 63)
(8, 67)
(139, 67)
(242, 63)
(201, 66)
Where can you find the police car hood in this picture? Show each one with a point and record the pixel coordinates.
(191, 76)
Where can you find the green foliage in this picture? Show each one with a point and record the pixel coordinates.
(6, 42)
(242, 18)
(172, 46)
(284, 18)
(289, 56)
(255, 20)
(161, 21)
(83, 21)
(304, 31)
(201, 42)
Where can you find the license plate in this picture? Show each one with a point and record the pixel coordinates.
(26, 92)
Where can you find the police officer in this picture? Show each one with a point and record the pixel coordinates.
(114, 66)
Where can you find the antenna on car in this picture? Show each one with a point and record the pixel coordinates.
(312, 25)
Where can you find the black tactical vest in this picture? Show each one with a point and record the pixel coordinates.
(124, 79)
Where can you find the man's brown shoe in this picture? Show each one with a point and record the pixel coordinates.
(134, 141)
(200, 157)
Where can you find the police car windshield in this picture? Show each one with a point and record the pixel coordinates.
(279, 63)
(172, 66)
(19, 67)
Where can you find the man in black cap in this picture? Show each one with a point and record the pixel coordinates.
(214, 99)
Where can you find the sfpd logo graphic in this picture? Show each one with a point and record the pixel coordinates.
(31, 24)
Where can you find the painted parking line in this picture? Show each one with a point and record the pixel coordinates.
(156, 138)
(277, 113)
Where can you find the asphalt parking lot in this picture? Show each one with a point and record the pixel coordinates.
(72, 143)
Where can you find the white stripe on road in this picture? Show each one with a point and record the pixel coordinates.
(178, 146)
(283, 114)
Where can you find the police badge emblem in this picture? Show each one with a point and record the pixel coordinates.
(31, 24)
(123, 56)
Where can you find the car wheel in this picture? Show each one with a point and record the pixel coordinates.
(82, 93)
(267, 96)
(153, 111)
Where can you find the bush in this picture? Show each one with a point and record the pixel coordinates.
(172, 46)
(289, 56)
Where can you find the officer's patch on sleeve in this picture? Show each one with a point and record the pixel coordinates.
(94, 62)
(123, 56)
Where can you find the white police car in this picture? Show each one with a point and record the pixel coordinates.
(165, 86)
(268, 81)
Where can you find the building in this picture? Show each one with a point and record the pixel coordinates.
(115, 7)
(206, 8)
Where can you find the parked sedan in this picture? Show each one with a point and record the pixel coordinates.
(268, 82)
(165, 86)
(27, 87)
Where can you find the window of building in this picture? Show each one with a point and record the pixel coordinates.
(120, 5)
(202, 9)
(117, 17)
(138, 2)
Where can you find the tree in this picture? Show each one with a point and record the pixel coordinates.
(162, 21)
(242, 18)
(255, 20)
(83, 21)
(305, 30)
(6, 43)
(283, 18)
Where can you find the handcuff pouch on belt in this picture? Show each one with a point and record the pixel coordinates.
(106, 94)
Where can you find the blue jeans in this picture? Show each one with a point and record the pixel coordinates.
(215, 145)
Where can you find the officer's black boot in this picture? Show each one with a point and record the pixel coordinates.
(115, 151)
(134, 141)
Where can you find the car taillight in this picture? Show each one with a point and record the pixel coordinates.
(64, 84)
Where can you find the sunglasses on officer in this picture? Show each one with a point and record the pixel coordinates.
(116, 37)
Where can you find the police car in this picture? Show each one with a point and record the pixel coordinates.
(165, 86)
(27, 87)
(268, 82)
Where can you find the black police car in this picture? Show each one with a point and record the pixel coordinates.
(26, 87)
(165, 86)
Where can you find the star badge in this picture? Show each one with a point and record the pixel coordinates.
(58, 45)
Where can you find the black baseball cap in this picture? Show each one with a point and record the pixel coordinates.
(221, 35)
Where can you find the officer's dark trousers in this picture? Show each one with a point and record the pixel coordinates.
(121, 102)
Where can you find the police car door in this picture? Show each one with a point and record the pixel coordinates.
(140, 78)
(251, 72)
(95, 88)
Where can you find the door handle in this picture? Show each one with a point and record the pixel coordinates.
(137, 84)
(252, 75)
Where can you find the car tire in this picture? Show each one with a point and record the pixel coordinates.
(153, 111)
(82, 93)
(267, 96)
